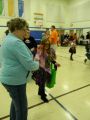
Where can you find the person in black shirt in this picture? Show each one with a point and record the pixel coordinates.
(30, 42)
(7, 31)
(88, 35)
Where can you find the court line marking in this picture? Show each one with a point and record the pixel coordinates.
(62, 106)
(81, 62)
(88, 85)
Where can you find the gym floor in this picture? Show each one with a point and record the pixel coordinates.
(68, 100)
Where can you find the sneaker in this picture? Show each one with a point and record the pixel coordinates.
(41, 94)
(85, 60)
(71, 59)
(45, 99)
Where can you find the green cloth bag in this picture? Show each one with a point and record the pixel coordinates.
(52, 81)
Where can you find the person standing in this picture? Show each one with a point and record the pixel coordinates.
(7, 31)
(17, 60)
(42, 76)
(72, 50)
(53, 37)
(30, 42)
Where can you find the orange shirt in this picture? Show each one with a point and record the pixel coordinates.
(53, 37)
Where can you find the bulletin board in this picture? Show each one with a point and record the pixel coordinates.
(38, 19)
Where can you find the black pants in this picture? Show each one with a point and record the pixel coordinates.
(41, 89)
(18, 110)
(71, 56)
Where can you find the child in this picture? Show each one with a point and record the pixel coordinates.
(72, 50)
(46, 55)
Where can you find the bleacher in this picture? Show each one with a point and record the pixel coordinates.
(37, 35)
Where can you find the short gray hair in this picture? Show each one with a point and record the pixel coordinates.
(17, 23)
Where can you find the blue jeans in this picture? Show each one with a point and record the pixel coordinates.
(18, 110)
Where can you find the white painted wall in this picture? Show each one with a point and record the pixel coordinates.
(61, 13)
(53, 12)
(79, 13)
